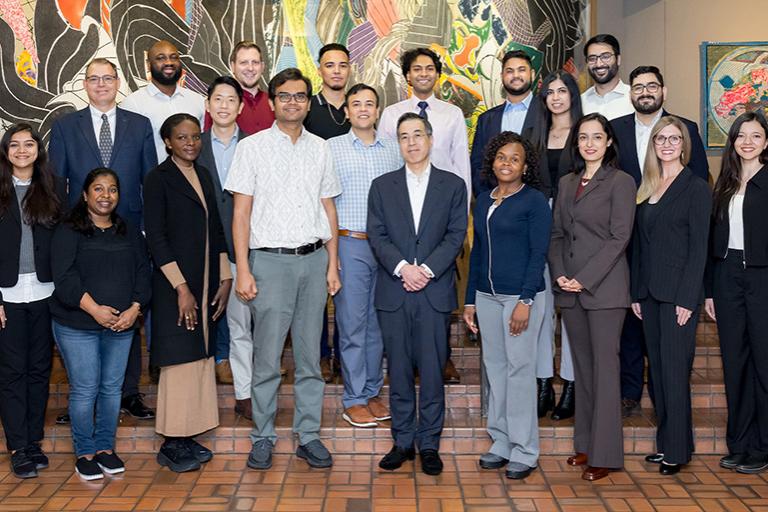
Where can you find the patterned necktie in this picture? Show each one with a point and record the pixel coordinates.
(105, 141)
(423, 112)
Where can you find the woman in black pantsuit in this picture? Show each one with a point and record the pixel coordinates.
(737, 289)
(669, 257)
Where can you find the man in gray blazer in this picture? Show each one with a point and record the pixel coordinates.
(417, 220)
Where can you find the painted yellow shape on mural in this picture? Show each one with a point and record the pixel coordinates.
(294, 15)
(25, 68)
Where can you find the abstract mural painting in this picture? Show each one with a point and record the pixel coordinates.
(46, 44)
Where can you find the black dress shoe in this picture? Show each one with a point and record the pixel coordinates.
(732, 460)
(176, 455)
(655, 458)
(546, 396)
(396, 457)
(566, 407)
(669, 469)
(134, 406)
(753, 464)
(430, 462)
(35, 453)
(22, 466)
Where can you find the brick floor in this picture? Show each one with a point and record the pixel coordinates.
(355, 484)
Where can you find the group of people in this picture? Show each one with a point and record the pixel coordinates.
(227, 221)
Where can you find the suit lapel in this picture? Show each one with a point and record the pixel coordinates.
(206, 155)
(431, 198)
(86, 127)
(121, 133)
(402, 197)
(181, 183)
(676, 188)
(14, 207)
(594, 183)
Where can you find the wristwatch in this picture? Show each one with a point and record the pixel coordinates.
(526, 302)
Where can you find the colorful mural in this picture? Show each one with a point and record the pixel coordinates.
(46, 44)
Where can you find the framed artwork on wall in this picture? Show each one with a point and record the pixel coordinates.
(734, 80)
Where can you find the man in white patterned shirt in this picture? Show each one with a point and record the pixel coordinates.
(284, 232)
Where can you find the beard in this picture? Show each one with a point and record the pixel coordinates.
(162, 79)
(518, 90)
(613, 70)
(647, 108)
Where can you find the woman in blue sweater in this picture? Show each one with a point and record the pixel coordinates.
(511, 237)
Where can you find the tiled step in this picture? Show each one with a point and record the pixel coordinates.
(464, 433)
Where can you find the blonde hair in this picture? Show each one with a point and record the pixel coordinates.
(652, 166)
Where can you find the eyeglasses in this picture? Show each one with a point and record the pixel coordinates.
(604, 58)
(286, 97)
(106, 79)
(674, 140)
(652, 87)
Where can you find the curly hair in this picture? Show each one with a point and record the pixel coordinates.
(531, 174)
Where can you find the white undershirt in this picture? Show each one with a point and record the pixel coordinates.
(736, 222)
(417, 191)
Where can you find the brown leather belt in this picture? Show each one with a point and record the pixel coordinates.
(353, 234)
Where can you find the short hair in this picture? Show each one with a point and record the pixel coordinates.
(101, 60)
(409, 116)
(641, 70)
(516, 54)
(288, 75)
(172, 122)
(244, 45)
(411, 55)
(603, 39)
(359, 88)
(332, 47)
(226, 80)
(611, 156)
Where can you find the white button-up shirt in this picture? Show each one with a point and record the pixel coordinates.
(287, 181)
(450, 148)
(150, 102)
(613, 104)
(417, 190)
(642, 137)
(98, 121)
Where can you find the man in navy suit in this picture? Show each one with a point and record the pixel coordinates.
(103, 135)
(632, 133)
(517, 114)
(417, 220)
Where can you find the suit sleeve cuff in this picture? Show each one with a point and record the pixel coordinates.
(399, 267)
(429, 270)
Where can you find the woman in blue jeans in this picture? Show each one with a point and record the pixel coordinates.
(102, 279)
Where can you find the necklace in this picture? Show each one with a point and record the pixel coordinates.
(502, 198)
(330, 113)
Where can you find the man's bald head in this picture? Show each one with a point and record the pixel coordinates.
(164, 63)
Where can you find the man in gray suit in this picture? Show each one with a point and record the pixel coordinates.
(417, 220)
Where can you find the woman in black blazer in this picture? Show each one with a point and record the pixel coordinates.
(31, 203)
(737, 288)
(559, 109)
(668, 261)
(190, 288)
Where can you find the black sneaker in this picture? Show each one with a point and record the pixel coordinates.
(22, 466)
(176, 455)
(109, 463)
(200, 452)
(63, 419)
(36, 454)
(88, 469)
(753, 464)
(134, 406)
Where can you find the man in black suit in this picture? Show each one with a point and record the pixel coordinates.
(632, 133)
(417, 221)
(516, 114)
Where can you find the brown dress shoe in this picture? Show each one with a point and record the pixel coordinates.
(326, 370)
(244, 408)
(224, 372)
(592, 473)
(577, 460)
(359, 416)
(379, 409)
(450, 374)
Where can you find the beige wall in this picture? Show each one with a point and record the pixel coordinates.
(667, 34)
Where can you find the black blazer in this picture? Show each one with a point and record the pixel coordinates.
(176, 228)
(224, 199)
(668, 262)
(10, 248)
(624, 131)
(391, 234)
(564, 166)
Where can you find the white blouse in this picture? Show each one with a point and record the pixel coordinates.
(736, 222)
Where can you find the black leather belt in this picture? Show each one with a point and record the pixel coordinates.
(296, 251)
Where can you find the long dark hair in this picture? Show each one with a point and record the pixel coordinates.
(530, 176)
(41, 205)
(79, 218)
(730, 169)
(611, 156)
(543, 122)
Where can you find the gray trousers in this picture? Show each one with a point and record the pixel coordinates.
(546, 344)
(510, 363)
(292, 293)
(240, 342)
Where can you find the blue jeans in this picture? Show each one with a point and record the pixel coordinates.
(95, 362)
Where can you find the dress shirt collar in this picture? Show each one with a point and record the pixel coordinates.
(19, 181)
(96, 113)
(415, 101)
(620, 90)
(154, 91)
(410, 175)
(655, 120)
(358, 142)
(233, 140)
(277, 132)
(520, 105)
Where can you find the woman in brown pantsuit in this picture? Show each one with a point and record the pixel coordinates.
(592, 225)
(190, 287)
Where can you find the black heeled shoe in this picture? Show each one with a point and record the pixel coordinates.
(546, 396)
(566, 407)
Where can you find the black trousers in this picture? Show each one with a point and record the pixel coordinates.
(26, 351)
(741, 306)
(670, 356)
(416, 336)
(632, 357)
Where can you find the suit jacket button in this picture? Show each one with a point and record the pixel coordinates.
(418, 242)
(571, 255)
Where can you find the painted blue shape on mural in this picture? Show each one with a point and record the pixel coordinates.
(469, 8)
(499, 32)
(726, 81)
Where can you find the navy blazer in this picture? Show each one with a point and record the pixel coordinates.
(624, 131)
(224, 199)
(75, 152)
(489, 126)
(393, 238)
